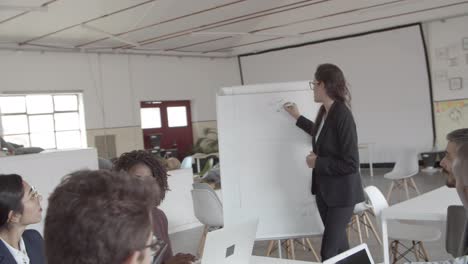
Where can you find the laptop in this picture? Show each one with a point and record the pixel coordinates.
(230, 245)
(356, 255)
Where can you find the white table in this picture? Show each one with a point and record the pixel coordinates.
(267, 260)
(431, 206)
(369, 147)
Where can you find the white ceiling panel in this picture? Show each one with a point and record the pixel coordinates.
(218, 26)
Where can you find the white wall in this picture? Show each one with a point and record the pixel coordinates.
(113, 85)
(388, 82)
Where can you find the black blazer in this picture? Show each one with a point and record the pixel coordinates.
(34, 247)
(336, 175)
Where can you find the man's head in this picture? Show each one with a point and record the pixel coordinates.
(455, 139)
(100, 217)
(460, 172)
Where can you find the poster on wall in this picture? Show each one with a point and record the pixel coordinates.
(456, 83)
(449, 115)
(448, 41)
(465, 43)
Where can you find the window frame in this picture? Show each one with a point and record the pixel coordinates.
(79, 111)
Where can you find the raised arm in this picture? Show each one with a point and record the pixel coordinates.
(302, 122)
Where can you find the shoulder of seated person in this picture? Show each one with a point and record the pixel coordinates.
(32, 234)
(159, 213)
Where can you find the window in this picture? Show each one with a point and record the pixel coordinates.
(150, 117)
(177, 116)
(49, 121)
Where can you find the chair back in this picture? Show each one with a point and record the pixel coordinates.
(377, 200)
(407, 164)
(207, 207)
(457, 227)
(187, 163)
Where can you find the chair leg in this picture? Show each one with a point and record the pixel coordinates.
(414, 185)
(395, 251)
(303, 244)
(358, 228)
(373, 229)
(270, 247)
(313, 250)
(366, 226)
(390, 191)
(421, 245)
(406, 189)
(415, 250)
(293, 251)
(201, 244)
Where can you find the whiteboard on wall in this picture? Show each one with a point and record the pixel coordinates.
(448, 49)
(262, 155)
(388, 81)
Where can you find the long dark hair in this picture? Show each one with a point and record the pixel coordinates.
(335, 87)
(129, 159)
(11, 194)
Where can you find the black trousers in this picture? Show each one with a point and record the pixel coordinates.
(335, 220)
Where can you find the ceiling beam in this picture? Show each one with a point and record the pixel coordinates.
(109, 35)
(23, 8)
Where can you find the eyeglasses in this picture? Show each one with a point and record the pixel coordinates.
(313, 84)
(35, 194)
(156, 246)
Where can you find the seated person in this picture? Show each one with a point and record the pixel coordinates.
(142, 164)
(459, 171)
(100, 217)
(15, 149)
(455, 139)
(19, 207)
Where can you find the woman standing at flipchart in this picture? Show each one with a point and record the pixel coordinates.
(336, 181)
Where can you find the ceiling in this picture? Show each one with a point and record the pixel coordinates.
(209, 28)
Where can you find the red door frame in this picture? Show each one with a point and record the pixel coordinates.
(180, 138)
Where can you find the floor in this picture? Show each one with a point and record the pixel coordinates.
(187, 241)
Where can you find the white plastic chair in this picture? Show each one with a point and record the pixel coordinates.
(397, 231)
(208, 210)
(406, 166)
(361, 216)
(187, 163)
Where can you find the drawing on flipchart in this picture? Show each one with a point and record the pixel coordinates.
(442, 53)
(277, 105)
(456, 115)
(452, 111)
(453, 62)
(465, 43)
(440, 75)
(455, 83)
